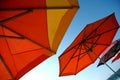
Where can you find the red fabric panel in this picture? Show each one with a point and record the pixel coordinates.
(20, 55)
(14, 4)
(4, 75)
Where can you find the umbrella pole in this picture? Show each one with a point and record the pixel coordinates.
(2, 60)
(104, 63)
(108, 66)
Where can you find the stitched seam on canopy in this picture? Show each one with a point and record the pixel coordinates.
(78, 60)
(68, 61)
(27, 51)
(87, 53)
(10, 52)
(104, 32)
(14, 17)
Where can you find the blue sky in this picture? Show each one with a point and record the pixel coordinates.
(90, 11)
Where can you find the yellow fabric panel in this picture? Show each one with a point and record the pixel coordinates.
(57, 3)
(53, 19)
(59, 19)
(65, 22)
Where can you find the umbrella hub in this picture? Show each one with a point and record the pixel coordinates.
(90, 49)
(83, 41)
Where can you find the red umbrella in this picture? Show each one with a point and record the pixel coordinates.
(116, 57)
(110, 52)
(30, 32)
(88, 45)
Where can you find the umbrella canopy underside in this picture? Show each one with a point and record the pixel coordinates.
(30, 32)
(88, 45)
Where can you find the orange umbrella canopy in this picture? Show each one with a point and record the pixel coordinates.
(88, 45)
(30, 32)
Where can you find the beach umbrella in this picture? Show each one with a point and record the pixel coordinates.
(30, 32)
(116, 57)
(88, 45)
(110, 52)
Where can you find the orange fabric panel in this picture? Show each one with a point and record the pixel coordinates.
(14, 4)
(20, 55)
(71, 69)
(39, 59)
(4, 75)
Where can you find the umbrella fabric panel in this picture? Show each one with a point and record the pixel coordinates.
(4, 72)
(66, 17)
(20, 55)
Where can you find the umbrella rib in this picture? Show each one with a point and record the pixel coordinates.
(9, 49)
(103, 33)
(42, 8)
(13, 37)
(99, 44)
(80, 54)
(99, 36)
(95, 42)
(100, 24)
(69, 60)
(1, 58)
(88, 52)
(7, 36)
(29, 39)
(14, 17)
(104, 62)
(78, 60)
(27, 51)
